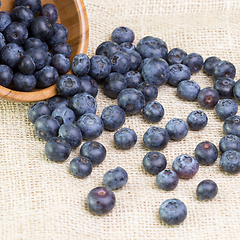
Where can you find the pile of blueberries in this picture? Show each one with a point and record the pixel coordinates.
(132, 74)
(33, 48)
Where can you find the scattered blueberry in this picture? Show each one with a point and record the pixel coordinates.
(178, 73)
(224, 69)
(177, 129)
(188, 90)
(58, 101)
(229, 142)
(81, 167)
(80, 64)
(107, 48)
(175, 56)
(122, 34)
(208, 97)
(149, 90)
(133, 79)
(226, 108)
(167, 180)
(153, 112)
(210, 63)
(230, 162)
(61, 63)
(26, 65)
(194, 61)
(197, 120)
(125, 138)
(120, 62)
(206, 189)
(65, 113)
(135, 59)
(224, 86)
(232, 125)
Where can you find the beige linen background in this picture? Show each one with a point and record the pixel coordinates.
(40, 199)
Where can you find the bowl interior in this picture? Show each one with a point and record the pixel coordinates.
(72, 14)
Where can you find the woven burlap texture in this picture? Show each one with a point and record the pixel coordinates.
(40, 199)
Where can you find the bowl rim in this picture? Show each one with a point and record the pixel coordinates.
(17, 96)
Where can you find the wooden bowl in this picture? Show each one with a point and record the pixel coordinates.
(73, 15)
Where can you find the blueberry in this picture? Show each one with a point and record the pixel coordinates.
(33, 42)
(91, 126)
(58, 101)
(149, 90)
(57, 149)
(62, 48)
(68, 85)
(82, 103)
(50, 11)
(197, 120)
(206, 153)
(230, 162)
(144, 62)
(167, 180)
(114, 84)
(154, 162)
(26, 65)
(94, 151)
(46, 77)
(194, 62)
(236, 90)
(152, 47)
(177, 129)
(126, 46)
(38, 109)
(232, 125)
(23, 15)
(120, 62)
(107, 48)
(206, 189)
(24, 83)
(229, 142)
(178, 73)
(2, 41)
(100, 67)
(188, 90)
(46, 127)
(133, 79)
(5, 20)
(115, 178)
(156, 138)
(33, 5)
(61, 63)
(42, 28)
(226, 108)
(175, 56)
(185, 166)
(81, 64)
(225, 87)
(89, 85)
(65, 113)
(135, 59)
(173, 211)
(71, 133)
(81, 167)
(210, 63)
(6, 75)
(131, 100)
(208, 97)
(125, 138)
(100, 200)
(224, 69)
(39, 57)
(153, 112)
(60, 34)
(10, 54)
(156, 70)
(122, 34)
(113, 117)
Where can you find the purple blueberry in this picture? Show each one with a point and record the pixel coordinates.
(33, 5)
(26, 65)
(50, 11)
(38, 109)
(122, 34)
(177, 129)
(153, 112)
(229, 142)
(194, 62)
(60, 34)
(62, 48)
(224, 69)
(61, 63)
(149, 90)
(58, 101)
(120, 62)
(34, 42)
(81, 64)
(225, 87)
(206, 189)
(81, 167)
(127, 46)
(88, 85)
(167, 180)
(188, 90)
(65, 113)
(210, 63)
(24, 83)
(125, 138)
(208, 97)
(39, 57)
(135, 59)
(226, 108)
(23, 15)
(175, 56)
(232, 125)
(107, 48)
(133, 79)
(230, 162)
(2, 41)
(197, 120)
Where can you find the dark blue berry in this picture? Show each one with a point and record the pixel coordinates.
(178, 73)
(225, 87)
(80, 64)
(61, 63)
(60, 34)
(156, 138)
(57, 149)
(153, 112)
(232, 125)
(208, 97)
(107, 48)
(194, 62)
(177, 129)
(65, 113)
(33, 5)
(149, 90)
(154, 162)
(197, 120)
(230, 162)
(226, 108)
(185, 166)
(188, 90)
(224, 69)
(81, 167)
(206, 153)
(46, 77)
(58, 101)
(152, 47)
(229, 142)
(6, 75)
(236, 90)
(167, 180)
(23, 15)
(94, 151)
(173, 211)
(156, 70)
(100, 200)
(62, 48)
(91, 126)
(5, 20)
(206, 189)
(125, 138)
(133, 79)
(122, 34)
(26, 65)
(131, 100)
(210, 63)
(126, 46)
(175, 56)
(50, 11)
(24, 83)
(113, 117)
(115, 178)
(38, 109)
(33, 42)
(88, 85)
(39, 57)
(120, 62)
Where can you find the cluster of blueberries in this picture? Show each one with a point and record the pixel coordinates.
(27, 35)
(132, 75)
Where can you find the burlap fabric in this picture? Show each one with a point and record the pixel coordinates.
(40, 199)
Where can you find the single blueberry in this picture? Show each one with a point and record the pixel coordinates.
(232, 125)
(120, 62)
(125, 138)
(167, 180)
(177, 129)
(225, 87)
(175, 56)
(33, 5)
(178, 73)
(188, 90)
(226, 108)
(6, 75)
(61, 63)
(133, 79)
(39, 56)
(62, 48)
(194, 62)
(153, 112)
(58, 101)
(107, 48)
(230, 162)
(23, 15)
(50, 11)
(224, 69)
(197, 120)
(81, 167)
(26, 65)
(65, 113)
(210, 63)
(88, 85)
(206, 189)
(149, 90)
(24, 83)
(60, 34)
(122, 34)
(208, 97)
(81, 64)
(229, 142)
